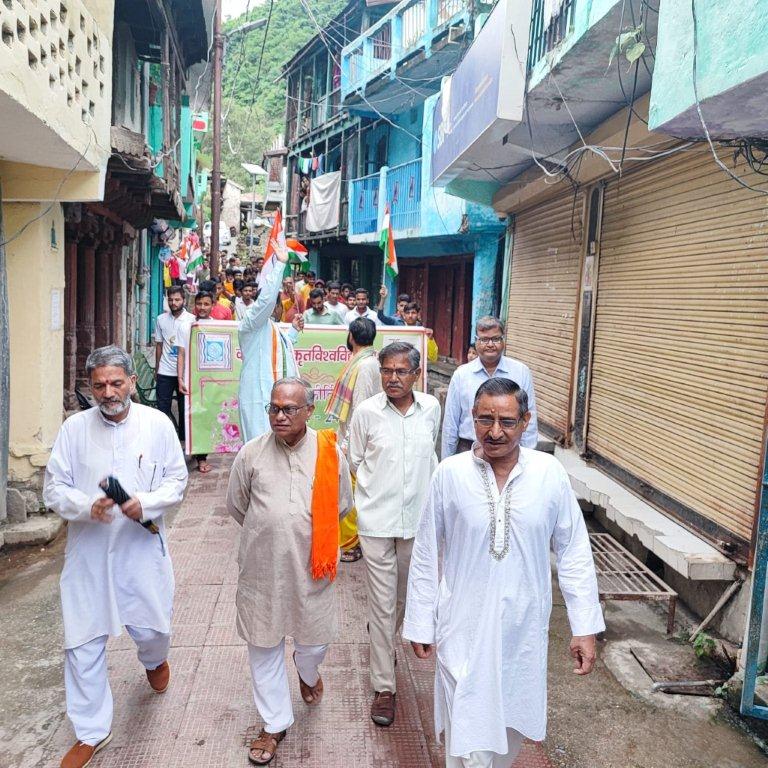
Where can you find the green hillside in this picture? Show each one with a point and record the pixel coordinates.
(254, 109)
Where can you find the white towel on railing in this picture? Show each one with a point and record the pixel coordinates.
(323, 209)
(552, 8)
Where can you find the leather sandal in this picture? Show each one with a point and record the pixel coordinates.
(265, 742)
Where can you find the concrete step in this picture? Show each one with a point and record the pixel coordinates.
(34, 531)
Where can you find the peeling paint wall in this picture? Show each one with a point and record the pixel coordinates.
(36, 304)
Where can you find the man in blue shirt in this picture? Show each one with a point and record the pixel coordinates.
(458, 427)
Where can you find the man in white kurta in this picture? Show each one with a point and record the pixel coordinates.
(116, 572)
(267, 353)
(492, 512)
(270, 495)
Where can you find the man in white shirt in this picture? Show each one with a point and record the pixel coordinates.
(333, 299)
(458, 427)
(480, 585)
(361, 308)
(242, 302)
(168, 329)
(392, 453)
(117, 571)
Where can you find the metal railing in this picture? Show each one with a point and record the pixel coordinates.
(414, 23)
(404, 195)
(364, 204)
(546, 34)
(394, 36)
(447, 9)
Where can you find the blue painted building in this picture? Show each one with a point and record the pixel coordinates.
(385, 82)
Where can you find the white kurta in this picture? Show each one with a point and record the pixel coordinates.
(118, 573)
(490, 618)
(256, 375)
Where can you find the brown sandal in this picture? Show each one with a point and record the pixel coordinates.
(266, 742)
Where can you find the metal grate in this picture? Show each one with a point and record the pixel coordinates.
(546, 33)
(621, 576)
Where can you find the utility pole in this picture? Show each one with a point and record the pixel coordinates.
(218, 55)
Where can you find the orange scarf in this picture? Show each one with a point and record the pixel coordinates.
(325, 508)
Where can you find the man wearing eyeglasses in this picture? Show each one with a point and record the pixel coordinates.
(480, 584)
(458, 427)
(288, 489)
(392, 440)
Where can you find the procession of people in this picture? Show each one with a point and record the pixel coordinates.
(456, 553)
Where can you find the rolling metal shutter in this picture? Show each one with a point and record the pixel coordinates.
(680, 357)
(543, 297)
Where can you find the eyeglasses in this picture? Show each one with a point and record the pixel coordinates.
(401, 373)
(506, 424)
(491, 340)
(289, 410)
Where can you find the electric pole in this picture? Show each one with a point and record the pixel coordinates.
(218, 55)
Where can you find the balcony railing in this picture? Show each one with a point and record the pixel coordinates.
(364, 204)
(414, 24)
(404, 195)
(447, 9)
(546, 34)
(407, 26)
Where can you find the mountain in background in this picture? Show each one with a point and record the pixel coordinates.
(254, 108)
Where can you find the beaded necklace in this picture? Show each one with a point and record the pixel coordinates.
(496, 554)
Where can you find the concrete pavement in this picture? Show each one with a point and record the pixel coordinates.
(207, 716)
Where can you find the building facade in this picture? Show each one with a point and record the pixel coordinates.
(365, 108)
(97, 147)
(55, 98)
(636, 266)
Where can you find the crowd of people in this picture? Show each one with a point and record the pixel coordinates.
(456, 552)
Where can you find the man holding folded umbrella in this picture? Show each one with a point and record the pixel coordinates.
(117, 572)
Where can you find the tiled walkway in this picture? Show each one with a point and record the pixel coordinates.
(207, 715)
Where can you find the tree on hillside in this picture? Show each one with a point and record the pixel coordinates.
(254, 106)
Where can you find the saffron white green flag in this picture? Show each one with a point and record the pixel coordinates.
(387, 244)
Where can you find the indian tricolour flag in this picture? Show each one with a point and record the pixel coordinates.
(297, 249)
(195, 256)
(387, 244)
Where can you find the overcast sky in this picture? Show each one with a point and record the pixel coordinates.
(232, 8)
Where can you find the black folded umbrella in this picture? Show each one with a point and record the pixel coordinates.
(115, 491)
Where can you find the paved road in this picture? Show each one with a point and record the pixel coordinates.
(207, 716)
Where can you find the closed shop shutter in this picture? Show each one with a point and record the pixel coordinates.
(543, 296)
(680, 360)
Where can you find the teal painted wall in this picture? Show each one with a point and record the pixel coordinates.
(441, 213)
(732, 49)
(155, 137)
(404, 147)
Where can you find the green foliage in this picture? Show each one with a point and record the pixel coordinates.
(630, 44)
(244, 138)
(703, 646)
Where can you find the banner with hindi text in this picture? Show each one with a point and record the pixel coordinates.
(213, 372)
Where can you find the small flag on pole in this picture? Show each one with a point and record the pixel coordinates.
(387, 244)
(297, 249)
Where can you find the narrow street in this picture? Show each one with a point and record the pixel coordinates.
(207, 716)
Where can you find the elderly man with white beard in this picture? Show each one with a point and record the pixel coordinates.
(117, 571)
(493, 512)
